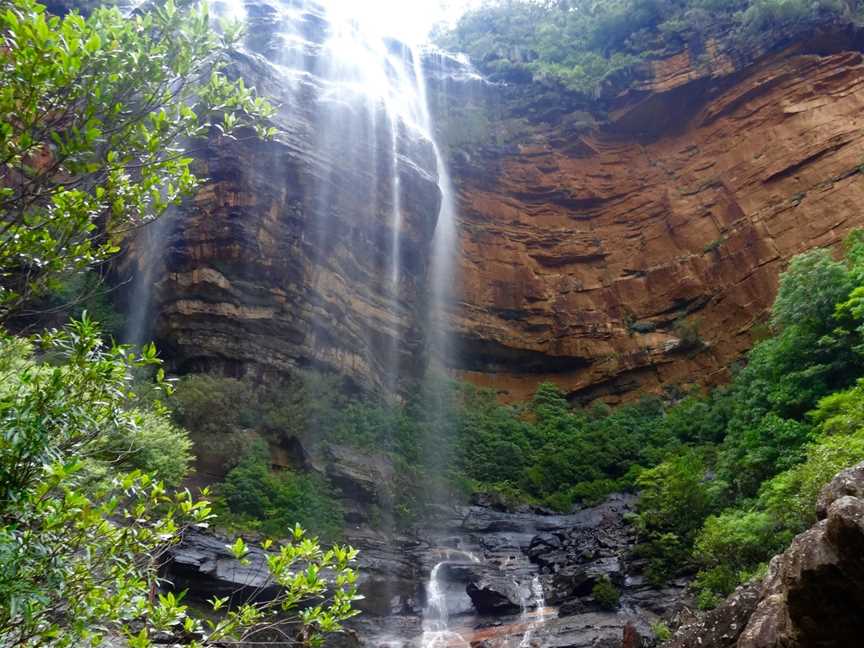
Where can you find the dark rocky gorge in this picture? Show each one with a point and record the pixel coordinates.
(483, 562)
(506, 579)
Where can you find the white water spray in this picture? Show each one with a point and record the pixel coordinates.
(436, 616)
(537, 600)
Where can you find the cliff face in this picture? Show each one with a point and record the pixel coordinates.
(288, 257)
(617, 258)
(611, 256)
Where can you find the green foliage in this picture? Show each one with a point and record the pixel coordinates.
(93, 111)
(687, 332)
(790, 496)
(81, 554)
(605, 594)
(583, 44)
(661, 631)
(791, 419)
(674, 500)
(69, 297)
(152, 444)
(809, 290)
(731, 544)
(770, 14)
(446, 439)
(254, 496)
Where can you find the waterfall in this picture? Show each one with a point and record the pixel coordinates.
(352, 102)
(537, 600)
(437, 632)
(149, 246)
(372, 121)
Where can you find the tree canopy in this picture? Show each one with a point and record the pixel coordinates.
(580, 44)
(96, 115)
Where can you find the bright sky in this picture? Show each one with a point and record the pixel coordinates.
(410, 20)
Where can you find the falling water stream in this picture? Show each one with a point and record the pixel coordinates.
(437, 632)
(537, 601)
(370, 105)
(363, 98)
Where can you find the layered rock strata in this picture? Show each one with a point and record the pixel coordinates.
(617, 256)
(287, 257)
(612, 247)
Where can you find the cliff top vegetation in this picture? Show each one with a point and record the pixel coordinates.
(584, 44)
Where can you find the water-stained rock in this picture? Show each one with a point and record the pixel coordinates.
(310, 250)
(493, 598)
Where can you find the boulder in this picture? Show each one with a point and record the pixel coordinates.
(493, 598)
(813, 593)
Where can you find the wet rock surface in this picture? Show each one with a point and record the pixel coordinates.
(504, 575)
(813, 594)
(292, 255)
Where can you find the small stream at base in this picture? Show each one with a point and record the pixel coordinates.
(439, 631)
(536, 600)
(436, 615)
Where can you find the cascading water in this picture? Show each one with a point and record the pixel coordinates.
(372, 114)
(353, 105)
(149, 244)
(537, 601)
(437, 632)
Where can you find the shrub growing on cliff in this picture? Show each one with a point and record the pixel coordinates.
(605, 594)
(773, 456)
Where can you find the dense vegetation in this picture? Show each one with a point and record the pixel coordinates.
(727, 478)
(92, 114)
(581, 43)
(447, 439)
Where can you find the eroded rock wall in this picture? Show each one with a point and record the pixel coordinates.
(617, 258)
(613, 255)
(287, 257)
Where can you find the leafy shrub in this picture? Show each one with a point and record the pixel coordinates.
(687, 332)
(673, 504)
(791, 496)
(661, 631)
(153, 444)
(764, 15)
(69, 432)
(605, 594)
(255, 497)
(810, 288)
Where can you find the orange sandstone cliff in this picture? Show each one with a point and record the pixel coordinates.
(614, 251)
(644, 252)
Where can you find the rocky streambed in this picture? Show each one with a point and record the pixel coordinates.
(479, 577)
